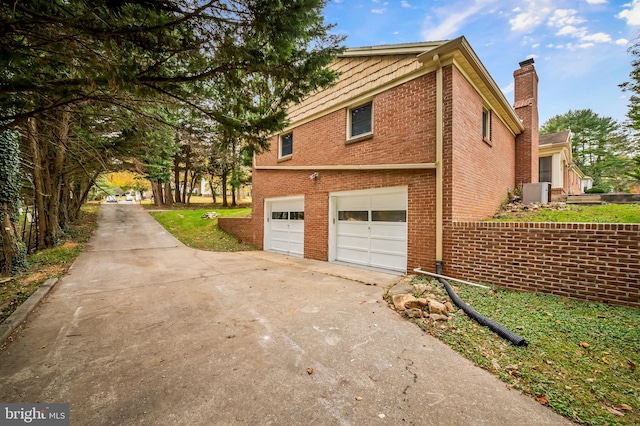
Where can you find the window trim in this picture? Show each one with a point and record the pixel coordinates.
(280, 137)
(362, 136)
(486, 125)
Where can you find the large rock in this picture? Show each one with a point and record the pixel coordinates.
(437, 308)
(399, 300)
(420, 288)
(450, 307)
(413, 313)
(416, 304)
(438, 317)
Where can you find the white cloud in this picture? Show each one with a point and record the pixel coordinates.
(508, 89)
(531, 17)
(597, 1)
(455, 17)
(378, 11)
(572, 31)
(405, 4)
(622, 42)
(597, 38)
(585, 45)
(632, 14)
(564, 17)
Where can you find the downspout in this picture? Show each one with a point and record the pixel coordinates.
(439, 158)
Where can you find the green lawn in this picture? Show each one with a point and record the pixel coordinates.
(606, 213)
(203, 234)
(583, 357)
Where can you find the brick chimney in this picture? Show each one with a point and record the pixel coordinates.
(526, 106)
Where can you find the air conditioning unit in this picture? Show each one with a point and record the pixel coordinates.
(539, 193)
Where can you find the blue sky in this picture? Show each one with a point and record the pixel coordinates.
(579, 46)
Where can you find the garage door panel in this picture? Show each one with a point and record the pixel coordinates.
(284, 226)
(396, 246)
(371, 228)
(387, 261)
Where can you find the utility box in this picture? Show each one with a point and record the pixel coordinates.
(539, 193)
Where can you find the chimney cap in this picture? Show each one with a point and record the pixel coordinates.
(526, 62)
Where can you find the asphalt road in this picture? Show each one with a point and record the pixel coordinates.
(145, 331)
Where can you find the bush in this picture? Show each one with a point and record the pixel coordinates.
(596, 190)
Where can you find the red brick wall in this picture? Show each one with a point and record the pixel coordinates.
(421, 205)
(577, 260)
(403, 127)
(481, 171)
(526, 102)
(240, 227)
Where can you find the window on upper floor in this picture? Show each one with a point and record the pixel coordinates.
(360, 121)
(486, 124)
(285, 148)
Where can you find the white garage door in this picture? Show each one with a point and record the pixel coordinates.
(370, 228)
(284, 225)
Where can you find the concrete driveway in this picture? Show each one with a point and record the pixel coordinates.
(145, 331)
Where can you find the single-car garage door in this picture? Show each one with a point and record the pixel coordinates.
(369, 228)
(284, 225)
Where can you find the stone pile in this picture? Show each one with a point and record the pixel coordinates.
(209, 215)
(514, 208)
(426, 305)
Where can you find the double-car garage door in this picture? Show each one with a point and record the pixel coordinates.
(367, 228)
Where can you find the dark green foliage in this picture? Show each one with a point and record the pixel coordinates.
(596, 190)
(601, 148)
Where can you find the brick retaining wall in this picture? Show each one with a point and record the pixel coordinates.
(578, 260)
(240, 227)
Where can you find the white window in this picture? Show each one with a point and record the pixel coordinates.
(360, 120)
(285, 145)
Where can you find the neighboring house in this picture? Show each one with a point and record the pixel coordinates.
(556, 166)
(410, 137)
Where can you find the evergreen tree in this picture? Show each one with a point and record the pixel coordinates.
(600, 147)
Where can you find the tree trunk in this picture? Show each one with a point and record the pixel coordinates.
(213, 191)
(38, 184)
(224, 189)
(168, 198)
(176, 176)
(233, 196)
(156, 188)
(12, 249)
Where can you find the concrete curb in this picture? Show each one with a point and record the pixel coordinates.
(23, 311)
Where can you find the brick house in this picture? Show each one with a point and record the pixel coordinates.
(556, 165)
(410, 138)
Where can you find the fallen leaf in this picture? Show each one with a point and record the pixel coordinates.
(614, 411)
(550, 314)
(584, 344)
(381, 415)
(373, 378)
(542, 399)
(632, 365)
(309, 370)
(591, 380)
(605, 360)
(43, 346)
(579, 352)
(358, 398)
(549, 362)
(624, 407)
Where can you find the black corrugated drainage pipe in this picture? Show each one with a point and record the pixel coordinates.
(499, 329)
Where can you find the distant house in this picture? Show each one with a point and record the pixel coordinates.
(370, 171)
(555, 165)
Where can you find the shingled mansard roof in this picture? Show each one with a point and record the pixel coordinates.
(367, 71)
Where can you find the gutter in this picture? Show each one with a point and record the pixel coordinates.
(439, 157)
(406, 166)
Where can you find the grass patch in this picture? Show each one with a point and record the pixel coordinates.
(582, 357)
(202, 234)
(48, 263)
(606, 213)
